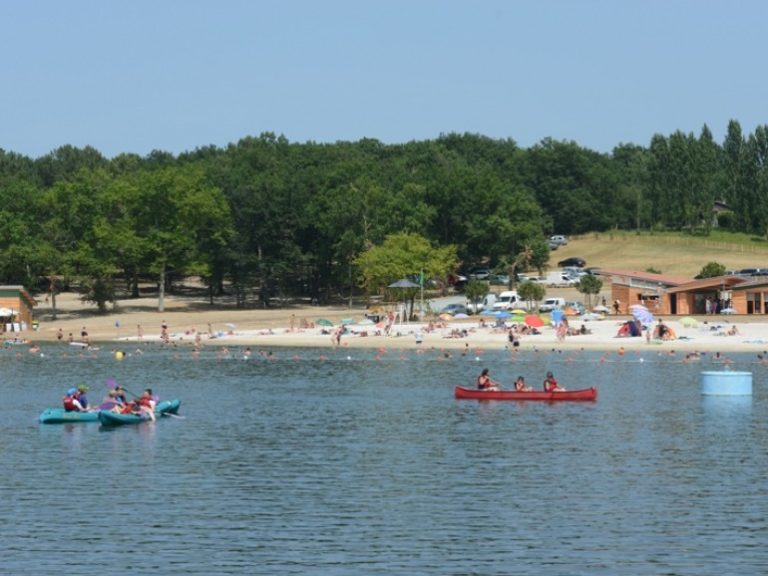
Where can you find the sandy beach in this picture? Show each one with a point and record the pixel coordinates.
(191, 321)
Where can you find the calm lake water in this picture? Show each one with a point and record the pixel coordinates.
(353, 462)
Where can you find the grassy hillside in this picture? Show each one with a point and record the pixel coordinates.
(669, 253)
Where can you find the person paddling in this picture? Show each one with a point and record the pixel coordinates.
(484, 381)
(551, 385)
(71, 402)
(520, 385)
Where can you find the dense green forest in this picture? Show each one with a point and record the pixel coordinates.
(266, 217)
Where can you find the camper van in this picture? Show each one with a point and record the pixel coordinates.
(508, 300)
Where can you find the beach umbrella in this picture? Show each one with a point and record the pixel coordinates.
(503, 314)
(534, 321)
(556, 315)
(324, 322)
(571, 312)
(641, 313)
(445, 316)
(689, 322)
(365, 322)
(345, 321)
(519, 311)
(591, 316)
(403, 283)
(489, 312)
(600, 309)
(4, 312)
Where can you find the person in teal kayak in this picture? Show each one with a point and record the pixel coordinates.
(147, 399)
(147, 403)
(117, 395)
(484, 381)
(81, 397)
(76, 400)
(551, 385)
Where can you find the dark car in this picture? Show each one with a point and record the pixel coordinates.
(572, 261)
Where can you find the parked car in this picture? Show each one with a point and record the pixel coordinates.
(457, 282)
(454, 309)
(558, 240)
(479, 273)
(509, 300)
(568, 280)
(572, 261)
(498, 279)
(552, 304)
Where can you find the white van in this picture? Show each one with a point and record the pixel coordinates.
(485, 304)
(508, 300)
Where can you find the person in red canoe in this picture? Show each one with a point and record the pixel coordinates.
(551, 385)
(484, 381)
(520, 385)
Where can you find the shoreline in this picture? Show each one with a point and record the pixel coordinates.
(189, 321)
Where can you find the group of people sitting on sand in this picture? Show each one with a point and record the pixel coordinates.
(484, 382)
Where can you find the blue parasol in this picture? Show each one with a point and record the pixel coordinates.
(641, 313)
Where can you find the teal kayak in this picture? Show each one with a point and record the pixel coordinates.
(164, 408)
(61, 416)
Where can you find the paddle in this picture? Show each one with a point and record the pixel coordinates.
(108, 405)
(112, 383)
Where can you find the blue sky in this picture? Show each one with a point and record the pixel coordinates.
(174, 75)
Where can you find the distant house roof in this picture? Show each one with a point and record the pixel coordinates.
(715, 282)
(753, 282)
(633, 277)
(19, 291)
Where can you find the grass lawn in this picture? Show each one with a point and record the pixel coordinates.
(666, 252)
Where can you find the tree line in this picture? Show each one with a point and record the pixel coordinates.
(265, 217)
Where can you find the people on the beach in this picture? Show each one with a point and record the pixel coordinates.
(551, 385)
(484, 381)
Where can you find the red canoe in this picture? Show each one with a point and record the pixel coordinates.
(475, 394)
